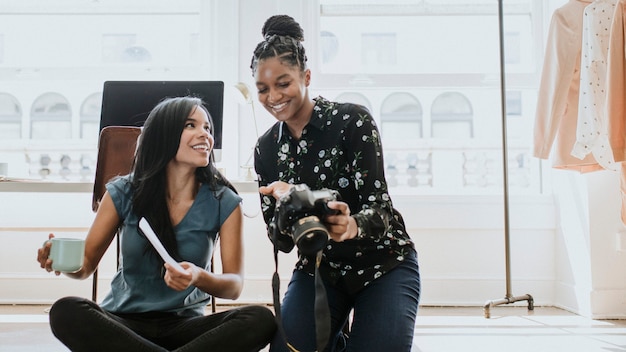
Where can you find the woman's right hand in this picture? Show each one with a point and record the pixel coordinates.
(43, 254)
(276, 189)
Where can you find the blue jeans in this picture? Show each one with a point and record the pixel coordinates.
(383, 318)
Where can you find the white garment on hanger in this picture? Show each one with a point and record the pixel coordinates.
(592, 130)
(616, 95)
(616, 83)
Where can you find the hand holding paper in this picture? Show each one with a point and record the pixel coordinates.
(151, 236)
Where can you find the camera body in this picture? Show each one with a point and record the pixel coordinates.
(299, 213)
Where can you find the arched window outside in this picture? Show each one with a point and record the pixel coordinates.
(123, 48)
(136, 53)
(51, 117)
(401, 116)
(10, 117)
(354, 98)
(90, 116)
(452, 116)
(329, 45)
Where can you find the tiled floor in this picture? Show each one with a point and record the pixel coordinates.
(438, 329)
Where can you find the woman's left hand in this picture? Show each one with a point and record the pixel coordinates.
(341, 226)
(179, 281)
(276, 189)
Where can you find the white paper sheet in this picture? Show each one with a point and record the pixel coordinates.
(151, 236)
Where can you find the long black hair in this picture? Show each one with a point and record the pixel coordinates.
(157, 146)
(282, 38)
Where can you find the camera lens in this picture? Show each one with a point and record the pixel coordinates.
(310, 235)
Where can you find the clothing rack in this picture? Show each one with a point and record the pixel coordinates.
(508, 298)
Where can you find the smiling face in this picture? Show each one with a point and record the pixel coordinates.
(196, 141)
(283, 90)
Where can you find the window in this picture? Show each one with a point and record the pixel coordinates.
(120, 48)
(401, 119)
(52, 108)
(90, 117)
(514, 103)
(378, 49)
(329, 46)
(399, 58)
(452, 117)
(431, 70)
(51, 117)
(10, 117)
(136, 53)
(512, 48)
(1, 48)
(354, 98)
(194, 47)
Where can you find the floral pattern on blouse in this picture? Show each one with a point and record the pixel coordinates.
(339, 149)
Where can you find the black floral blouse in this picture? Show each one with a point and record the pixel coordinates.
(339, 149)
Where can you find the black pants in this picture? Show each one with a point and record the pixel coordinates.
(83, 326)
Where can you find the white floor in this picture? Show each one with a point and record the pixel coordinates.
(513, 329)
(438, 329)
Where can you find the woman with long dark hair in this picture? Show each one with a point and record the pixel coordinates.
(176, 187)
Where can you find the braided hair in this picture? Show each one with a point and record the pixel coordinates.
(282, 39)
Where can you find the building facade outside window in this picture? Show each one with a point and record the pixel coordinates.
(50, 114)
(10, 117)
(413, 63)
(431, 70)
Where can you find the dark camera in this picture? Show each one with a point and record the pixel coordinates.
(299, 213)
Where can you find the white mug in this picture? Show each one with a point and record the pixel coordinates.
(67, 254)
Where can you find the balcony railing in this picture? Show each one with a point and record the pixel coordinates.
(467, 169)
(433, 167)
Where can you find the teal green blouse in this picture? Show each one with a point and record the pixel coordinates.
(138, 285)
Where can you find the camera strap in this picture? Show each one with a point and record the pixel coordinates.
(321, 309)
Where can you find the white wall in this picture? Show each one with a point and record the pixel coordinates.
(27, 218)
(564, 250)
(590, 252)
(460, 244)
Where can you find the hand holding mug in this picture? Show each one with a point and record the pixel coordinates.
(61, 254)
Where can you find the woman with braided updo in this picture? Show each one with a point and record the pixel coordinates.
(369, 265)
